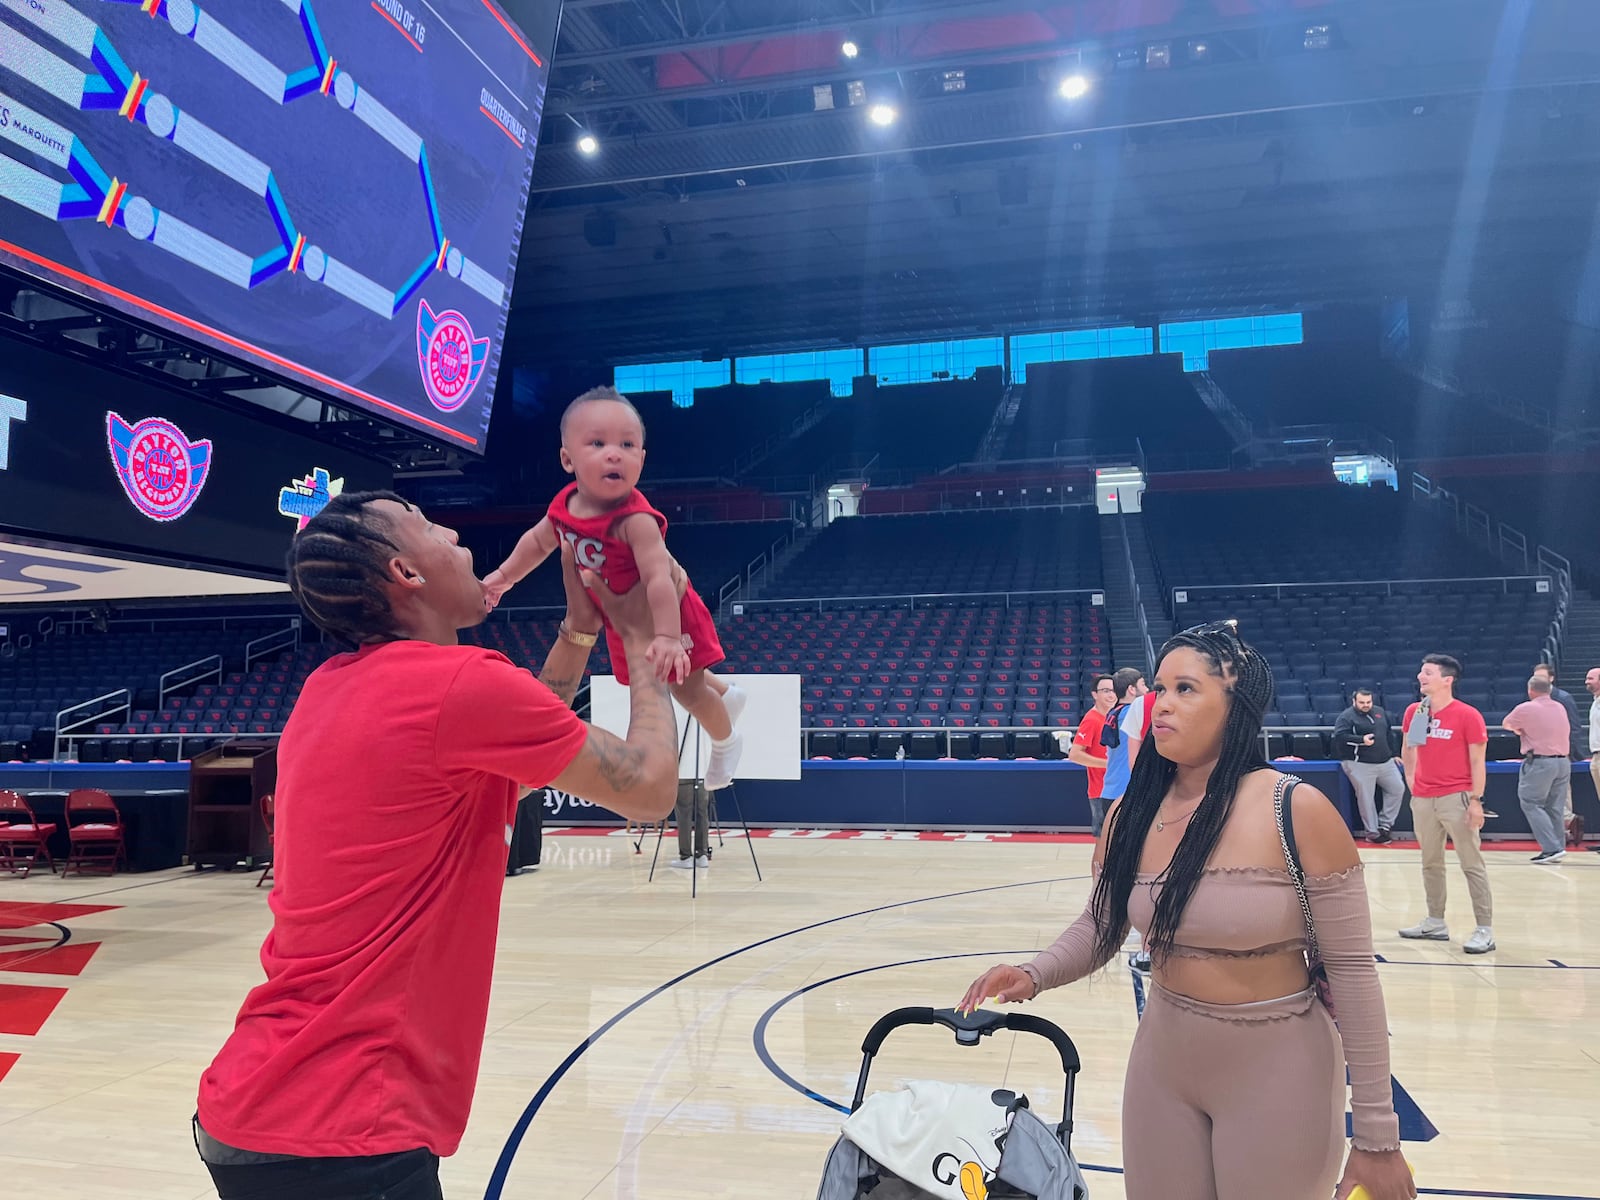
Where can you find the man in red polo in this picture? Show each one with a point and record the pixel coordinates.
(1086, 749)
(1445, 742)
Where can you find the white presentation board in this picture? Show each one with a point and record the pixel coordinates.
(770, 724)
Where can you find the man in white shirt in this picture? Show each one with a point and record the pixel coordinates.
(1592, 682)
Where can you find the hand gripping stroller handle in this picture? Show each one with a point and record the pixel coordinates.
(969, 1031)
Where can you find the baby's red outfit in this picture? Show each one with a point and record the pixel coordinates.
(598, 549)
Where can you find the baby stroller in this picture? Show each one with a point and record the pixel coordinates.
(884, 1155)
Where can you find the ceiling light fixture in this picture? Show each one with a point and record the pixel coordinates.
(1074, 86)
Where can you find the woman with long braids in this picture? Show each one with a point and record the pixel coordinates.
(1236, 1081)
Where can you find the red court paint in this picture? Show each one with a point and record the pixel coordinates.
(24, 1009)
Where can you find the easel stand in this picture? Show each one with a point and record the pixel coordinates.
(693, 726)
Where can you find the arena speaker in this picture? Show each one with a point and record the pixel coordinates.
(600, 229)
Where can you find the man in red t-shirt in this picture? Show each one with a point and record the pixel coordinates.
(1445, 741)
(1086, 749)
(350, 1071)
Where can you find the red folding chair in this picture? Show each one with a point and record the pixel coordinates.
(268, 813)
(19, 831)
(95, 831)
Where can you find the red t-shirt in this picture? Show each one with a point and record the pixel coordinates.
(1444, 763)
(594, 540)
(397, 782)
(1087, 739)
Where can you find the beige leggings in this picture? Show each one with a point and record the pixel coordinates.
(1233, 1101)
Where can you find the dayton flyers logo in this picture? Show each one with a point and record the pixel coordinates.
(305, 498)
(159, 467)
(452, 360)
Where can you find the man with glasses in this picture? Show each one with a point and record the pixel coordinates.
(1086, 749)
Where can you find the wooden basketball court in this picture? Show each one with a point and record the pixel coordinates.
(643, 1045)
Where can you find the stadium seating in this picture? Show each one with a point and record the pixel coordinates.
(923, 426)
(1340, 384)
(711, 554)
(1325, 636)
(1117, 402)
(1005, 551)
(66, 668)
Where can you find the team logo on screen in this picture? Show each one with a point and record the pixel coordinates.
(452, 360)
(305, 498)
(159, 467)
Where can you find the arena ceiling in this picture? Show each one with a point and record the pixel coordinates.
(1264, 153)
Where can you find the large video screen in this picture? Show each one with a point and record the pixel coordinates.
(331, 191)
(93, 459)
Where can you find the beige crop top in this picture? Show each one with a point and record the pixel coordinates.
(1240, 912)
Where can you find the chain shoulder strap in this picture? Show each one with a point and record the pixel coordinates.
(1291, 859)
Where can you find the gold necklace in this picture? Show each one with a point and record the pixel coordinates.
(1162, 825)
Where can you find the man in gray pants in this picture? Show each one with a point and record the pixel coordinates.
(1545, 781)
(1361, 741)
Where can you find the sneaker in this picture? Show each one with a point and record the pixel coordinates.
(1548, 856)
(1140, 962)
(1432, 929)
(702, 861)
(681, 864)
(1481, 941)
(734, 701)
(1382, 838)
(724, 760)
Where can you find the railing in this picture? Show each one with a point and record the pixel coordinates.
(801, 424)
(120, 700)
(911, 601)
(1555, 633)
(272, 643)
(1471, 520)
(757, 568)
(999, 431)
(188, 675)
(1180, 595)
(1331, 439)
(1133, 585)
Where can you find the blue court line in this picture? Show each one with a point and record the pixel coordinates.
(502, 1169)
(502, 1166)
(759, 1036)
(767, 1061)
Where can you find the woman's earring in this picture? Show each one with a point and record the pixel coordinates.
(420, 579)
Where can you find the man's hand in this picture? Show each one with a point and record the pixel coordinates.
(1474, 813)
(628, 614)
(1368, 740)
(582, 615)
(669, 658)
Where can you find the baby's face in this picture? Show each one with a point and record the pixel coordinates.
(604, 449)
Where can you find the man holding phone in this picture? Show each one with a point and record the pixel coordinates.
(1361, 741)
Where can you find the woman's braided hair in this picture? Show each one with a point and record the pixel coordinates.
(338, 564)
(1248, 681)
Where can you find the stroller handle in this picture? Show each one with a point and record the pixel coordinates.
(969, 1031)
